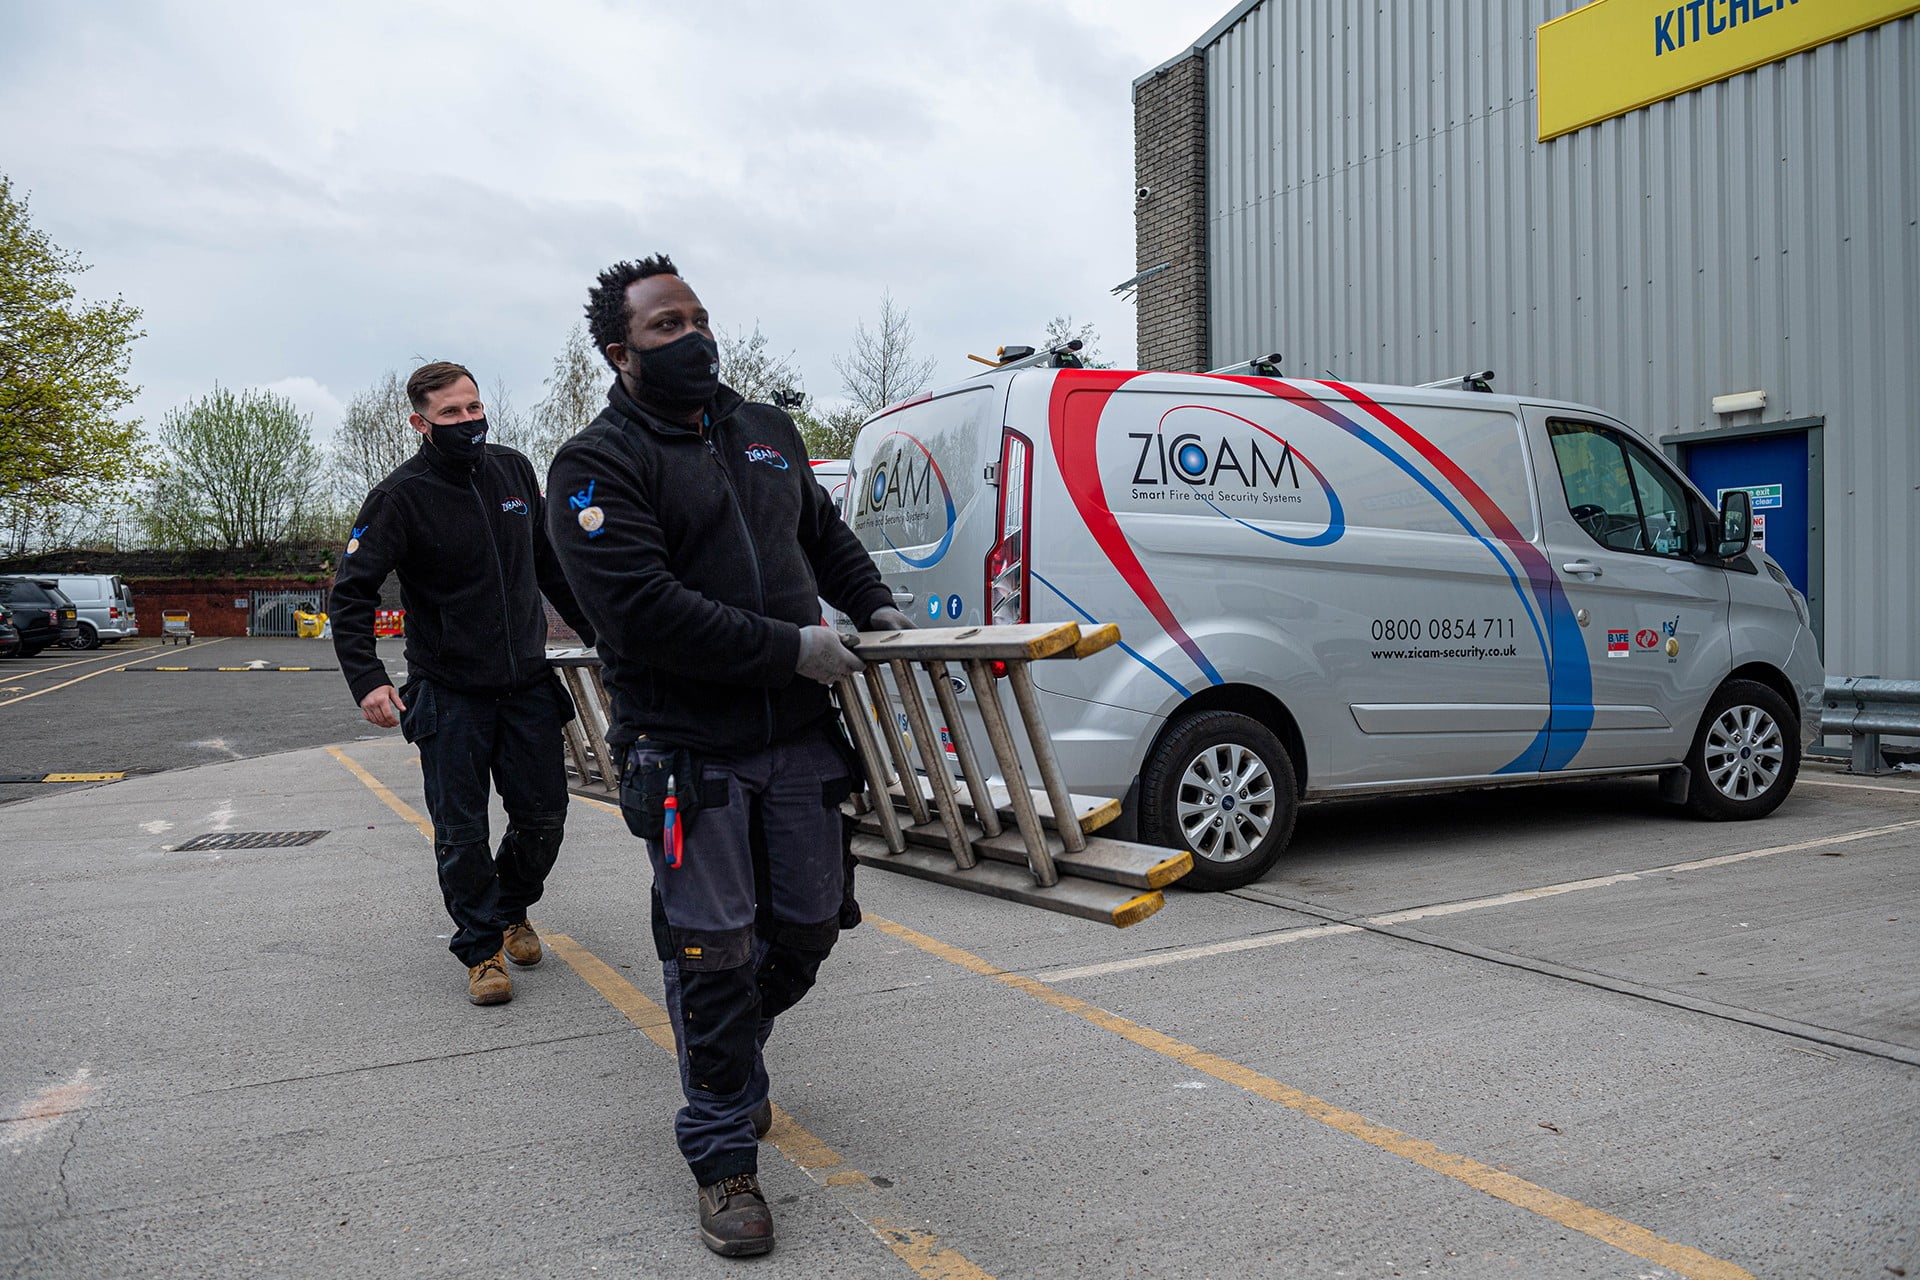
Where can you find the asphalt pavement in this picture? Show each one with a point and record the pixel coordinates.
(1538, 1033)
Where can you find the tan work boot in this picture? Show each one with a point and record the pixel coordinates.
(488, 983)
(522, 944)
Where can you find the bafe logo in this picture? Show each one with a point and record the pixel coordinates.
(904, 496)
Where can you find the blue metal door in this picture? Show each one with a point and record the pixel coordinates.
(1774, 469)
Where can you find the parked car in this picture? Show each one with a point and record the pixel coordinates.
(9, 634)
(41, 612)
(1327, 590)
(105, 606)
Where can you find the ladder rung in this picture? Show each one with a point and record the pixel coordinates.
(1026, 641)
(1094, 812)
(1135, 866)
(1089, 899)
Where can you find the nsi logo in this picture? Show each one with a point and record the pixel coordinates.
(1192, 459)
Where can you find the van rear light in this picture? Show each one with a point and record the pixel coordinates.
(1008, 562)
(113, 611)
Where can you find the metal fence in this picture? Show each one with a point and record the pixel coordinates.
(272, 611)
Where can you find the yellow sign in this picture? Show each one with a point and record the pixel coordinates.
(1615, 56)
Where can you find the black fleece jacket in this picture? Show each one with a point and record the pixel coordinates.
(698, 554)
(470, 544)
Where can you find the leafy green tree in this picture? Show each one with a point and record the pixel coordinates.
(830, 434)
(240, 470)
(63, 375)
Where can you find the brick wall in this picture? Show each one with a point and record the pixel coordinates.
(1170, 224)
(209, 601)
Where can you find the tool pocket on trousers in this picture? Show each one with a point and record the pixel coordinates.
(643, 791)
(421, 717)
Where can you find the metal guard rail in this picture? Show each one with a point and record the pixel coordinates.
(1864, 707)
(1005, 839)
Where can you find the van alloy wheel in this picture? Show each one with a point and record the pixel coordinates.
(1745, 754)
(1220, 785)
(89, 637)
(1225, 803)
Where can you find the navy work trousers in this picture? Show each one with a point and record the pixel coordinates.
(515, 740)
(742, 923)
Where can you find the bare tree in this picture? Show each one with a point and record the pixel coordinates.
(240, 470)
(1061, 329)
(755, 372)
(373, 437)
(506, 424)
(576, 392)
(882, 368)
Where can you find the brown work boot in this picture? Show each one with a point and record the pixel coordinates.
(488, 983)
(734, 1219)
(521, 944)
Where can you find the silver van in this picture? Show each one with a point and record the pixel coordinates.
(105, 604)
(1327, 590)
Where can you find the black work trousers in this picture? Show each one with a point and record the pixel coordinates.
(742, 923)
(515, 740)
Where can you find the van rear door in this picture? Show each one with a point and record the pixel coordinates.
(920, 504)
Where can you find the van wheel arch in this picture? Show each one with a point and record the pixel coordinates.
(1251, 701)
(1235, 731)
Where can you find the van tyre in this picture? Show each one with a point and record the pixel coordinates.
(1745, 754)
(89, 637)
(1220, 785)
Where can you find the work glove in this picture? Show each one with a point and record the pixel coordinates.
(825, 655)
(888, 618)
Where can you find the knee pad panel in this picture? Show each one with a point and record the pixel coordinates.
(720, 1012)
(794, 953)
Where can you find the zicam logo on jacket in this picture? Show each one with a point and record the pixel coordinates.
(514, 507)
(768, 454)
(904, 497)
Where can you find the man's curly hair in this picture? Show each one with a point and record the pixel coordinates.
(607, 301)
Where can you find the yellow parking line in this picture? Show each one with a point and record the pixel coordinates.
(1565, 1210)
(920, 1250)
(98, 657)
(90, 675)
(380, 789)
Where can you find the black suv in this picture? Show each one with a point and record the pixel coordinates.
(9, 634)
(43, 615)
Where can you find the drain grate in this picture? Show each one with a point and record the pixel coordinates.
(250, 840)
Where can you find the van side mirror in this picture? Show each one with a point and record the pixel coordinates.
(1736, 522)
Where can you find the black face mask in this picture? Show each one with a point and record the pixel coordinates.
(460, 441)
(681, 376)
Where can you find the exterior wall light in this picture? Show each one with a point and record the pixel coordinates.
(1740, 402)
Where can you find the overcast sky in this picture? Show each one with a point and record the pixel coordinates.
(302, 196)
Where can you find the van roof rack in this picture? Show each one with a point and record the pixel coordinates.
(1260, 366)
(1482, 381)
(1060, 356)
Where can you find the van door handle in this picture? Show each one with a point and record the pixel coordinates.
(1581, 566)
(903, 596)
